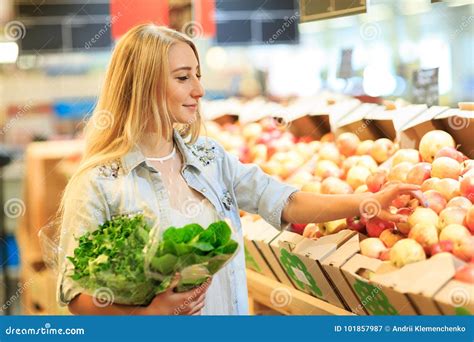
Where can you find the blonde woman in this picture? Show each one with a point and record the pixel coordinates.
(143, 153)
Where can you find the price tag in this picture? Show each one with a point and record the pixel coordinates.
(425, 86)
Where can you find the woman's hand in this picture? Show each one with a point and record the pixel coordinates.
(173, 303)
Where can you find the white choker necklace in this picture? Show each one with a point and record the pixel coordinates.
(161, 159)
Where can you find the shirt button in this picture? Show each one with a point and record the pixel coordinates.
(203, 190)
(158, 173)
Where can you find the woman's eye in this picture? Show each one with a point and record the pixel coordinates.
(198, 76)
(183, 78)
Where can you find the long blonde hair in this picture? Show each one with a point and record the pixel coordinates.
(132, 98)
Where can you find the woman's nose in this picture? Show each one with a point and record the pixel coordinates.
(198, 90)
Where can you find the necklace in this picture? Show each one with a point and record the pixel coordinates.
(161, 159)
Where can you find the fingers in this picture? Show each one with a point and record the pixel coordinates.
(197, 308)
(387, 216)
(174, 283)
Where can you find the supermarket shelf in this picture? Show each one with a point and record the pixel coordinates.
(299, 303)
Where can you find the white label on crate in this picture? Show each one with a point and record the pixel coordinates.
(300, 276)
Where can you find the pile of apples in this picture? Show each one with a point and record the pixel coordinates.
(444, 223)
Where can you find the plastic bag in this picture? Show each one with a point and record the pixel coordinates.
(195, 252)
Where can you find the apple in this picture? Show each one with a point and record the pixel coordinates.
(349, 162)
(382, 149)
(312, 187)
(445, 167)
(368, 162)
(390, 236)
(311, 231)
(419, 173)
(469, 220)
(252, 131)
(361, 189)
(454, 233)
(332, 227)
(467, 166)
(376, 180)
(375, 226)
(405, 252)
(430, 184)
(404, 227)
(259, 153)
(399, 172)
(333, 185)
(372, 247)
(328, 137)
(357, 176)
(435, 200)
(442, 246)
(467, 187)
(451, 215)
(465, 273)
(327, 168)
(464, 250)
(424, 216)
(401, 201)
(347, 143)
(459, 201)
(425, 234)
(329, 152)
(451, 152)
(300, 178)
(364, 147)
(448, 187)
(432, 142)
(406, 155)
(355, 223)
(385, 255)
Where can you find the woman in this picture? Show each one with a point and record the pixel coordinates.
(143, 154)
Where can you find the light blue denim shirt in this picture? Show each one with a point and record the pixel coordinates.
(132, 185)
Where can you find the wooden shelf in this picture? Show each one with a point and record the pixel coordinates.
(287, 300)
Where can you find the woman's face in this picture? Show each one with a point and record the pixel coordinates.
(184, 87)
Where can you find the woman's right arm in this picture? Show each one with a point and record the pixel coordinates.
(166, 303)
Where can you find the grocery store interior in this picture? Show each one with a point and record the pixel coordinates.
(332, 97)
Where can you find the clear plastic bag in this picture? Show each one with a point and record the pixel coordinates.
(195, 252)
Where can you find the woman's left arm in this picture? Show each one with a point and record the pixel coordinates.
(306, 207)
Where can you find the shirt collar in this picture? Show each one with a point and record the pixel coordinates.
(135, 157)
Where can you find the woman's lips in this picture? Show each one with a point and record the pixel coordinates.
(193, 107)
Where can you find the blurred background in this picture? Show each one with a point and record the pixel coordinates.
(54, 53)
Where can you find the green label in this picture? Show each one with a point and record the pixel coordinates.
(461, 311)
(250, 261)
(297, 271)
(373, 299)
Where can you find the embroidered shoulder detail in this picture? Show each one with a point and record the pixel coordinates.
(227, 200)
(110, 170)
(205, 152)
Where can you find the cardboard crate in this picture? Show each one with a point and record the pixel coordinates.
(460, 124)
(356, 123)
(254, 260)
(456, 298)
(332, 266)
(303, 265)
(375, 298)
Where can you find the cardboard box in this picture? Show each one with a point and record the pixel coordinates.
(332, 266)
(460, 124)
(414, 122)
(431, 275)
(303, 265)
(375, 298)
(456, 298)
(254, 260)
(356, 123)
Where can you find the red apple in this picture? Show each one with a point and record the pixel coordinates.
(448, 187)
(464, 250)
(425, 234)
(347, 143)
(376, 180)
(406, 251)
(385, 255)
(372, 247)
(401, 201)
(451, 215)
(355, 223)
(406, 155)
(467, 187)
(419, 173)
(451, 152)
(333, 185)
(442, 246)
(311, 231)
(382, 149)
(465, 273)
(435, 200)
(445, 167)
(434, 141)
(375, 226)
(298, 228)
(399, 172)
(404, 227)
(328, 137)
(390, 236)
(469, 220)
(459, 201)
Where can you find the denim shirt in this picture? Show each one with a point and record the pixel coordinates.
(131, 185)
